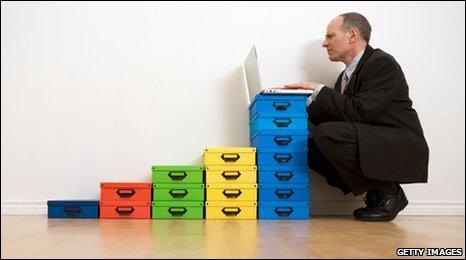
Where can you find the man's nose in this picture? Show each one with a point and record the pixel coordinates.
(324, 43)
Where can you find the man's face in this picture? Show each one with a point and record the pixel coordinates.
(337, 41)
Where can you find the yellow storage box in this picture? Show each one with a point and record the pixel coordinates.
(230, 156)
(231, 191)
(231, 174)
(230, 210)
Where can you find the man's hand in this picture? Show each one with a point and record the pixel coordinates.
(303, 85)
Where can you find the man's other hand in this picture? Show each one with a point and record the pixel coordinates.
(303, 85)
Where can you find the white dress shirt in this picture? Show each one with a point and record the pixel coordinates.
(349, 71)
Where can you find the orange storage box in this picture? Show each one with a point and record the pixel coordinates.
(125, 191)
(125, 209)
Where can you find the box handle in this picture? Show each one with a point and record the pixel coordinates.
(178, 193)
(231, 175)
(283, 176)
(71, 211)
(281, 105)
(125, 193)
(284, 193)
(232, 193)
(283, 211)
(282, 158)
(230, 157)
(231, 211)
(283, 141)
(124, 211)
(282, 122)
(177, 211)
(177, 176)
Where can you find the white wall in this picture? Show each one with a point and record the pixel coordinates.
(95, 92)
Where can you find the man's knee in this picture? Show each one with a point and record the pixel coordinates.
(323, 134)
(329, 135)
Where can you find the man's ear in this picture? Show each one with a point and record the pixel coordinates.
(354, 34)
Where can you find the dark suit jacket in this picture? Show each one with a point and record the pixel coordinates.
(376, 101)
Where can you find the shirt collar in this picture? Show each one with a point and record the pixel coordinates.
(352, 66)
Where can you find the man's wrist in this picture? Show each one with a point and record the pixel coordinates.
(318, 89)
(312, 97)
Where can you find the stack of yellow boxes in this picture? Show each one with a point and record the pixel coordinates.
(231, 183)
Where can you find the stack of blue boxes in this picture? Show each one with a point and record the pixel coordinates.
(278, 129)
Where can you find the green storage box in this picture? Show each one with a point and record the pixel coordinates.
(178, 191)
(177, 210)
(177, 174)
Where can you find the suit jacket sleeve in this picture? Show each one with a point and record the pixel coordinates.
(378, 86)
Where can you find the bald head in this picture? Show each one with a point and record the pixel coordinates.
(359, 22)
(346, 36)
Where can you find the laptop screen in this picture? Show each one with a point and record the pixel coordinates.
(251, 69)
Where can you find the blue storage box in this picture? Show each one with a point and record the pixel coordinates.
(282, 175)
(281, 157)
(279, 139)
(283, 210)
(72, 209)
(278, 104)
(277, 122)
(283, 192)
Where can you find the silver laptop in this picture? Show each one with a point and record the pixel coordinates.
(253, 81)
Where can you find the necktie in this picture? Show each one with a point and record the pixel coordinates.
(344, 82)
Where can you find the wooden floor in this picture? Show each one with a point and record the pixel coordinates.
(319, 237)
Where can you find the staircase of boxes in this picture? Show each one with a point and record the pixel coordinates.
(279, 131)
(230, 186)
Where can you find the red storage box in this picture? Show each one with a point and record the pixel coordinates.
(125, 191)
(125, 209)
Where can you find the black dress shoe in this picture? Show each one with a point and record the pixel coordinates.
(382, 206)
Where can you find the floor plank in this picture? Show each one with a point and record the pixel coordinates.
(319, 237)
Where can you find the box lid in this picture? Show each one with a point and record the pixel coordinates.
(237, 203)
(283, 204)
(274, 115)
(179, 185)
(230, 150)
(124, 203)
(177, 168)
(280, 151)
(284, 186)
(81, 203)
(128, 185)
(231, 185)
(231, 168)
(297, 97)
(279, 132)
(177, 203)
(283, 168)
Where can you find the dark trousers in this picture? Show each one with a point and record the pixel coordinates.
(333, 153)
